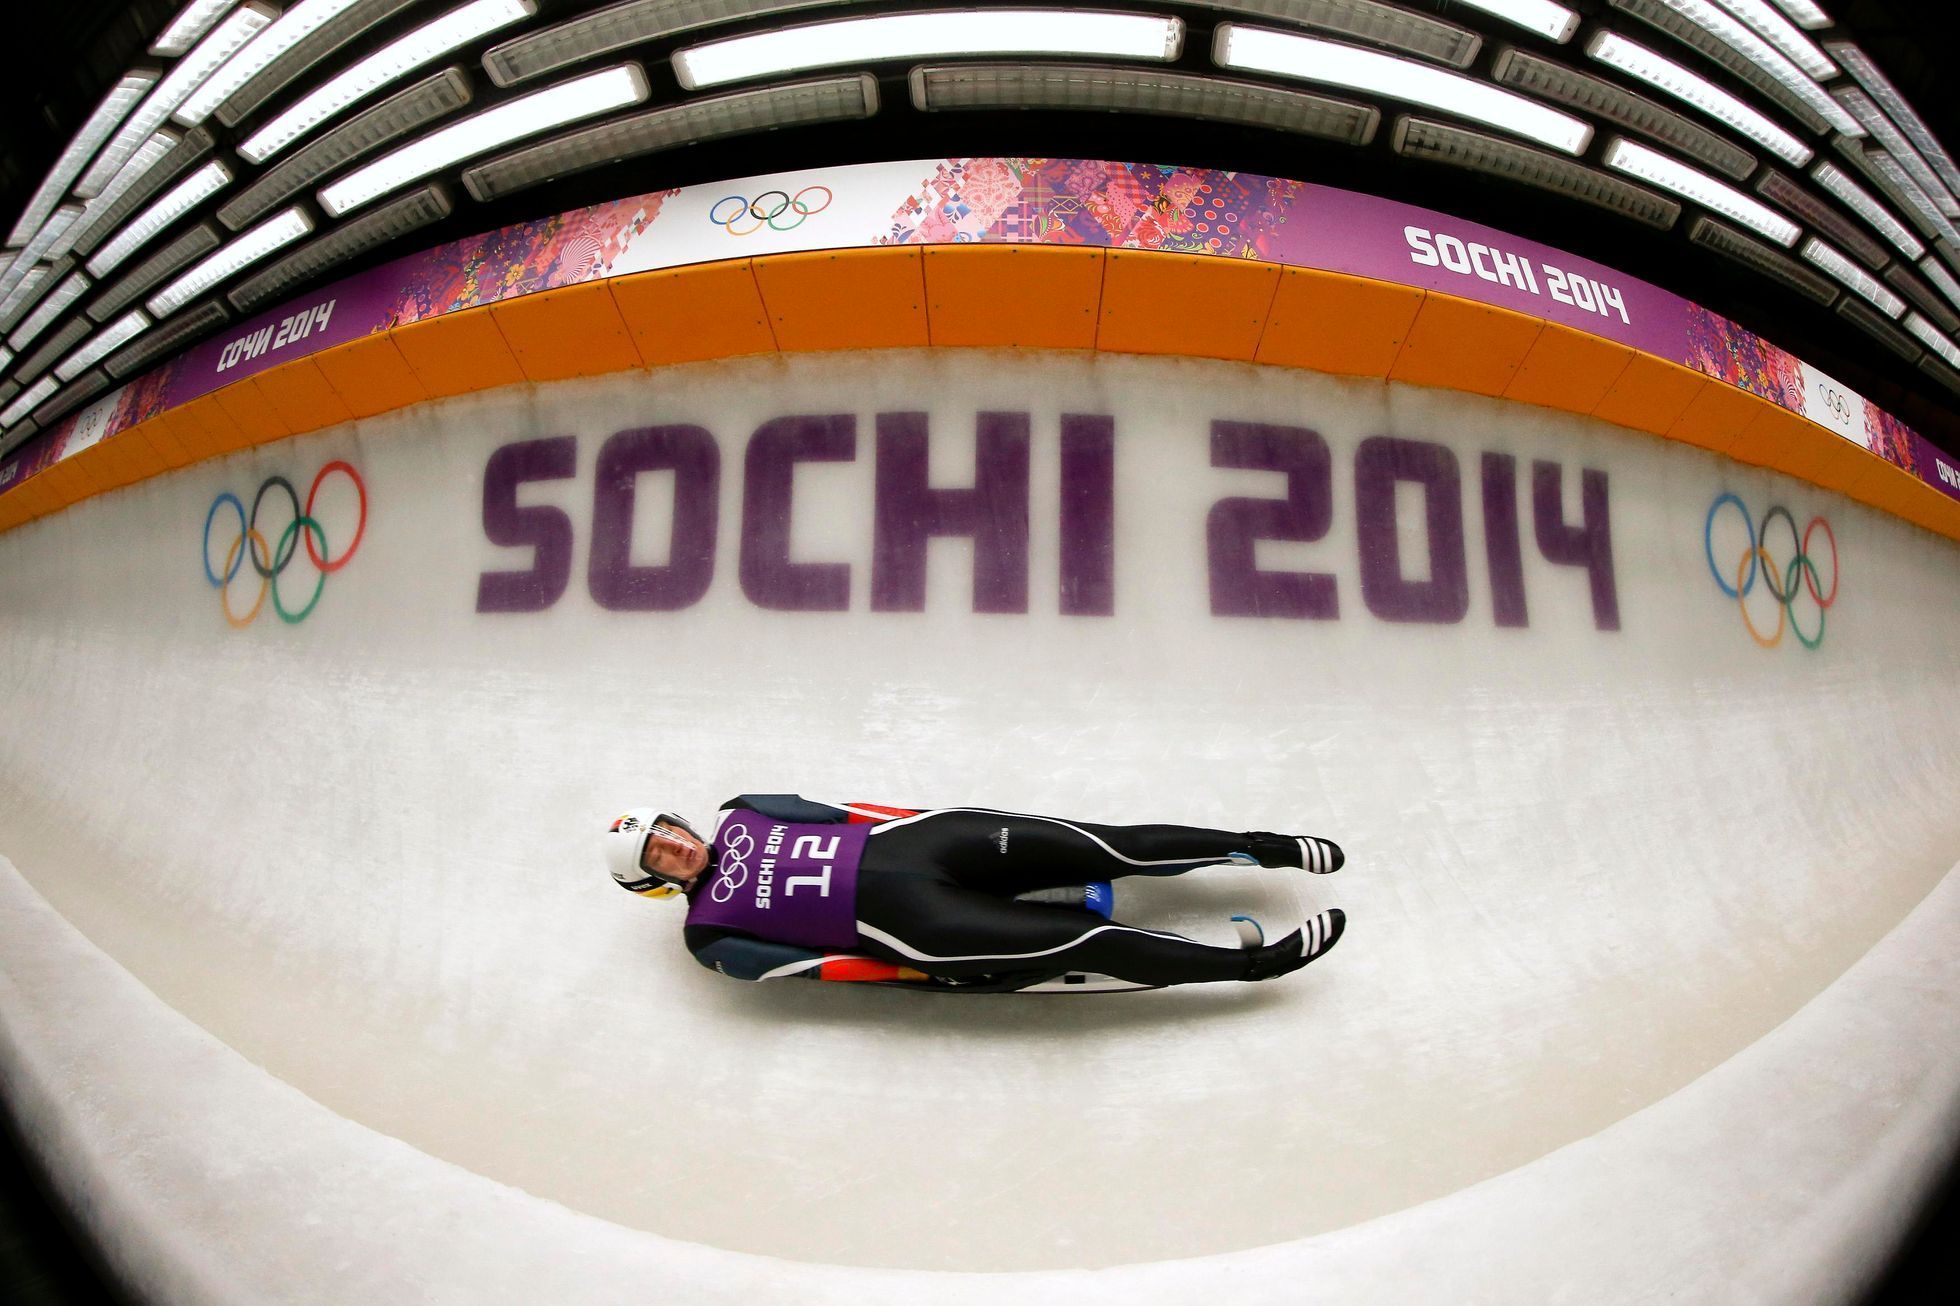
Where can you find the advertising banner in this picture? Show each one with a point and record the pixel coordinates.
(1079, 202)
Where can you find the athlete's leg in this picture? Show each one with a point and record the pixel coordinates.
(941, 928)
(1011, 852)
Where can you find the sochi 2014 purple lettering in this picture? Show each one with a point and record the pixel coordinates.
(1439, 591)
(908, 511)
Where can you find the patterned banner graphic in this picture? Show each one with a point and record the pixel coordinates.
(1079, 202)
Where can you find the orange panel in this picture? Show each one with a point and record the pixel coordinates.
(205, 428)
(169, 426)
(845, 299)
(575, 331)
(42, 498)
(370, 375)
(1196, 305)
(1932, 509)
(299, 392)
(1780, 439)
(1651, 395)
(257, 419)
(57, 491)
(1464, 345)
(13, 510)
(89, 473)
(1030, 296)
(133, 460)
(1568, 369)
(1864, 488)
(139, 454)
(685, 315)
(458, 353)
(1841, 464)
(163, 440)
(1881, 485)
(65, 486)
(1715, 417)
(1948, 516)
(1917, 504)
(1331, 322)
(43, 494)
(1894, 490)
(108, 463)
(191, 442)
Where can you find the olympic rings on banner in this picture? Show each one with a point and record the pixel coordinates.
(768, 210)
(247, 544)
(1779, 578)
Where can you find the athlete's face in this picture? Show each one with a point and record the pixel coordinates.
(674, 853)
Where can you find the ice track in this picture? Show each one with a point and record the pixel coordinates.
(314, 989)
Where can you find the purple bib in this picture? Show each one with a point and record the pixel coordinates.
(783, 882)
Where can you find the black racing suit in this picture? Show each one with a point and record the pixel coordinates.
(936, 894)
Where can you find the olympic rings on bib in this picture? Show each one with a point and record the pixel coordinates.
(247, 545)
(1780, 576)
(733, 864)
(740, 216)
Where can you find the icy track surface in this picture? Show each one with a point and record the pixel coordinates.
(1639, 915)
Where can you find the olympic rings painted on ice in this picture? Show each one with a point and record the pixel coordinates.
(767, 210)
(269, 563)
(1780, 579)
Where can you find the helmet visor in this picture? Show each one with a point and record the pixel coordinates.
(672, 835)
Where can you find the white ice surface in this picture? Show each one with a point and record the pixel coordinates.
(1770, 1179)
(1600, 1027)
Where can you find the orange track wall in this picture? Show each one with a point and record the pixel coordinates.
(1023, 296)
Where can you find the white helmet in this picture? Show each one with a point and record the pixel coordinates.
(625, 843)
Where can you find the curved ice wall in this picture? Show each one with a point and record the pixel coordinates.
(1609, 826)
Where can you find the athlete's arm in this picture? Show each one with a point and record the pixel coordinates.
(741, 957)
(807, 811)
(787, 807)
